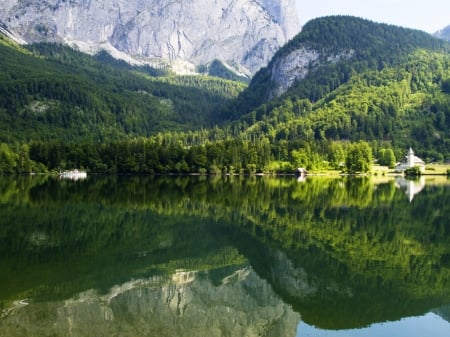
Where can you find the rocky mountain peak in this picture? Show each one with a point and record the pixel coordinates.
(243, 34)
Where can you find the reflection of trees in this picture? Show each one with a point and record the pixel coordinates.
(103, 243)
(362, 246)
(17, 190)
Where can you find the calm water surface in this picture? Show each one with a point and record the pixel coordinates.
(224, 256)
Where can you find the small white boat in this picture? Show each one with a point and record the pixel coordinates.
(73, 174)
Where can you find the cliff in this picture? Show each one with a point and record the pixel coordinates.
(243, 34)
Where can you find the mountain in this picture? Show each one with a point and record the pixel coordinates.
(346, 78)
(330, 44)
(342, 80)
(185, 33)
(443, 33)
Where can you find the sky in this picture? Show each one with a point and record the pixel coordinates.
(426, 15)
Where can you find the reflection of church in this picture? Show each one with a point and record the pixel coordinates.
(410, 161)
(411, 187)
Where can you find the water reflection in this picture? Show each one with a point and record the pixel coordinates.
(226, 256)
(235, 302)
(410, 186)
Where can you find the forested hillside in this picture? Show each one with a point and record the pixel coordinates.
(366, 46)
(63, 109)
(392, 92)
(51, 92)
(407, 105)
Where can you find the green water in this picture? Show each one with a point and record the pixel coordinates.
(224, 256)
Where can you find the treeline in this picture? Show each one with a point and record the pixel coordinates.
(165, 155)
(16, 159)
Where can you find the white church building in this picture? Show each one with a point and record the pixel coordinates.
(410, 160)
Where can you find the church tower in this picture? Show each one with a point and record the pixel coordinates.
(410, 159)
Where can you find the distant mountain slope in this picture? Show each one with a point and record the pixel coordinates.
(244, 34)
(51, 92)
(443, 33)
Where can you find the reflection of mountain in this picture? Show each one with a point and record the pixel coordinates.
(411, 187)
(241, 304)
(344, 253)
(329, 295)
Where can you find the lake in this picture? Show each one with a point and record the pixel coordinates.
(224, 256)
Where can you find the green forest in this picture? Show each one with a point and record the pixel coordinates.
(61, 109)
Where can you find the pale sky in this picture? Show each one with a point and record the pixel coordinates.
(426, 15)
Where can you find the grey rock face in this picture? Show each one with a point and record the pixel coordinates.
(241, 33)
(296, 65)
(5, 31)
